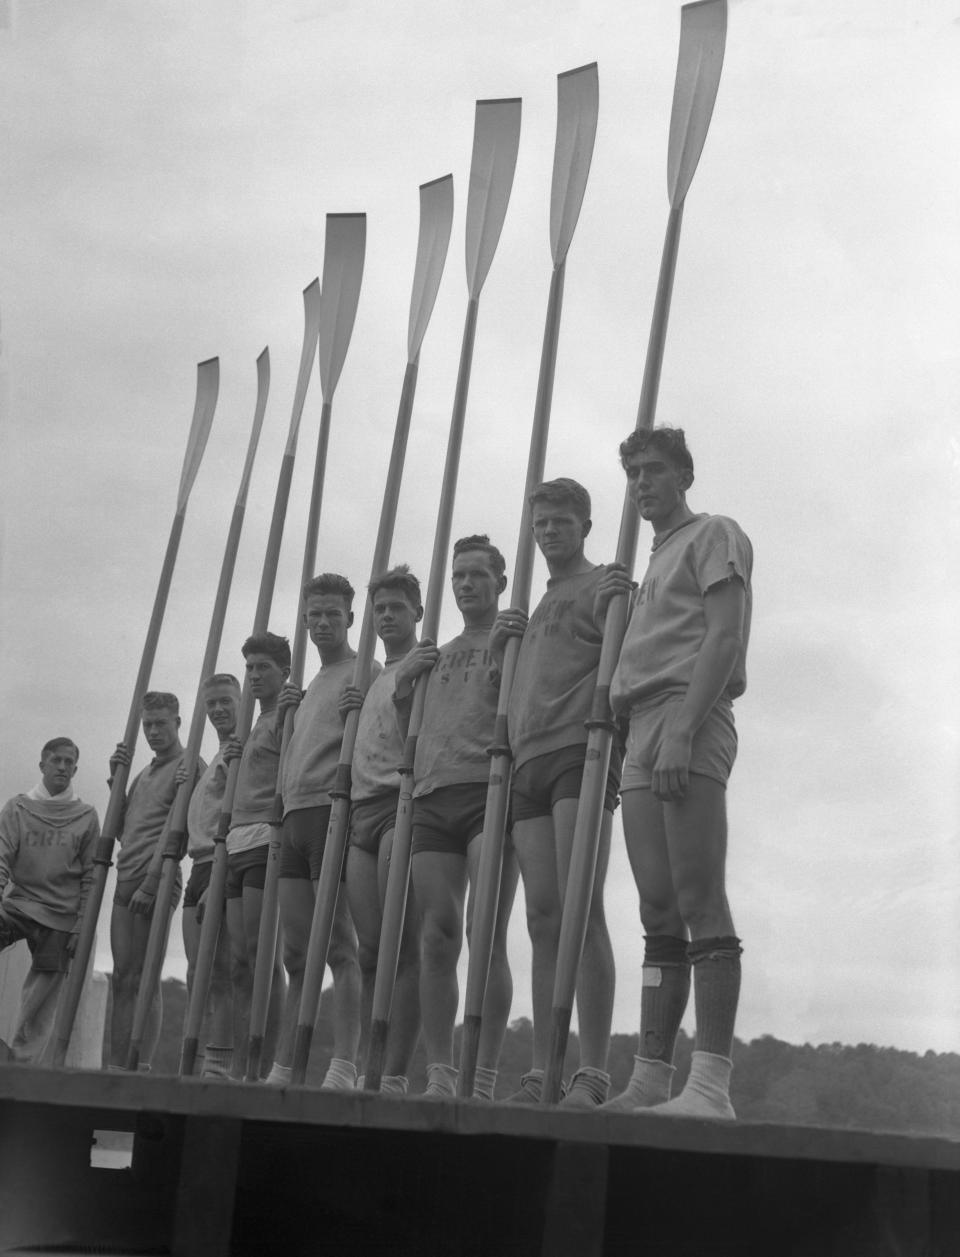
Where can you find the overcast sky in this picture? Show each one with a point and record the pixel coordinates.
(166, 170)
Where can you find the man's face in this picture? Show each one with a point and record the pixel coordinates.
(558, 531)
(328, 618)
(57, 768)
(160, 728)
(222, 704)
(394, 617)
(476, 586)
(265, 675)
(656, 483)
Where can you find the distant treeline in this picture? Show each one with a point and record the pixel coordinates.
(873, 1088)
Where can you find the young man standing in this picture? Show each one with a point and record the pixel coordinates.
(681, 666)
(148, 805)
(549, 704)
(221, 698)
(307, 776)
(267, 663)
(451, 772)
(47, 841)
(375, 795)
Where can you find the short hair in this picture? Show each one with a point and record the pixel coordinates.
(271, 644)
(399, 577)
(221, 678)
(329, 583)
(668, 441)
(157, 700)
(480, 541)
(54, 745)
(561, 490)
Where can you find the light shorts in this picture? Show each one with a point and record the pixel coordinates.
(545, 780)
(303, 841)
(48, 947)
(448, 819)
(246, 868)
(128, 886)
(197, 882)
(713, 751)
(370, 819)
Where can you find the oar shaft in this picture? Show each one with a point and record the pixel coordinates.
(658, 323)
(498, 793)
(398, 878)
(206, 957)
(113, 818)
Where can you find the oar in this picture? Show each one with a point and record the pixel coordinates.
(175, 844)
(436, 218)
(496, 142)
(208, 385)
(702, 36)
(577, 107)
(343, 256)
(496, 133)
(213, 911)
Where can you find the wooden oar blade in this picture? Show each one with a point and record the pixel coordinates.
(578, 103)
(343, 254)
(703, 33)
(436, 220)
(496, 141)
(208, 388)
(263, 391)
(311, 331)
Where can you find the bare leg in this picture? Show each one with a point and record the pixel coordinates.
(405, 1008)
(498, 997)
(536, 853)
(439, 881)
(364, 899)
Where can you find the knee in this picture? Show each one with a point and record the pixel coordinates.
(543, 923)
(342, 954)
(700, 909)
(239, 969)
(660, 918)
(367, 956)
(439, 942)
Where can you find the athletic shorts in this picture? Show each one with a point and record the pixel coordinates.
(128, 886)
(48, 947)
(541, 782)
(246, 868)
(713, 750)
(448, 819)
(370, 819)
(303, 841)
(197, 882)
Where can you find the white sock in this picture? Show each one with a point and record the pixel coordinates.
(217, 1061)
(441, 1080)
(649, 1084)
(394, 1085)
(279, 1075)
(341, 1075)
(484, 1083)
(707, 1091)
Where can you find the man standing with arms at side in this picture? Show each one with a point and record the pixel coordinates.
(308, 775)
(375, 795)
(267, 664)
(549, 704)
(147, 807)
(221, 698)
(47, 841)
(451, 772)
(681, 666)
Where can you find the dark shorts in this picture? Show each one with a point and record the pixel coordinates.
(450, 818)
(128, 886)
(303, 841)
(370, 819)
(197, 883)
(246, 868)
(541, 782)
(712, 752)
(48, 947)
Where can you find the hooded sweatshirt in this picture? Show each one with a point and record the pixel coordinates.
(46, 857)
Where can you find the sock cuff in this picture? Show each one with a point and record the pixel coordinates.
(723, 947)
(665, 949)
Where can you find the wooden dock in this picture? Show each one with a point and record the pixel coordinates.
(220, 1168)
